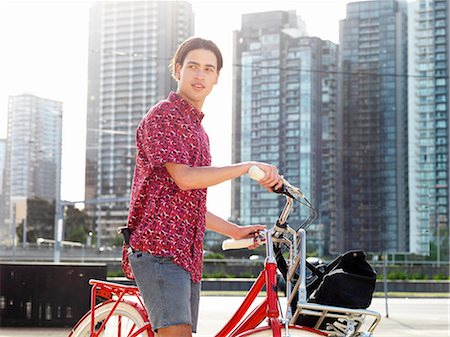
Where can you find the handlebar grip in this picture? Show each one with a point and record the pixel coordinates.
(256, 173)
(237, 244)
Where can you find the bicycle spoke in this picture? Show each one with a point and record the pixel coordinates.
(125, 321)
(133, 328)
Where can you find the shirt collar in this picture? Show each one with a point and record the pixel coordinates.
(187, 109)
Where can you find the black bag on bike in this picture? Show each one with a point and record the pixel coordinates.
(348, 281)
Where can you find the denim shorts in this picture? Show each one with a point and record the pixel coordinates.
(169, 295)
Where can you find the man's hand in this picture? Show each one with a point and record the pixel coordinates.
(250, 232)
(272, 179)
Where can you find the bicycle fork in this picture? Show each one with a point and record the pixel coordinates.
(273, 311)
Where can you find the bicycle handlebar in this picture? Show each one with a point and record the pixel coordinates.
(292, 193)
(257, 174)
(244, 243)
(237, 244)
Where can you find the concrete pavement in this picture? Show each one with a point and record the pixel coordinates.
(407, 317)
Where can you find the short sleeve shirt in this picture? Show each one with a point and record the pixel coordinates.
(165, 220)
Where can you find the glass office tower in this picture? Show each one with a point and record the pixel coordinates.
(33, 150)
(3, 228)
(429, 89)
(280, 79)
(130, 47)
(373, 66)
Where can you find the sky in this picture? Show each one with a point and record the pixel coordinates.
(45, 50)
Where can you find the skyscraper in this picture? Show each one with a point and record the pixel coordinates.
(330, 201)
(280, 79)
(373, 50)
(33, 148)
(429, 100)
(130, 46)
(2, 175)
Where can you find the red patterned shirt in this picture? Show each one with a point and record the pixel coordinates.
(165, 220)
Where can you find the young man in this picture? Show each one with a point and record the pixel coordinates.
(168, 214)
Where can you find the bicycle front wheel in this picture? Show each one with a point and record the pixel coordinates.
(125, 321)
(294, 331)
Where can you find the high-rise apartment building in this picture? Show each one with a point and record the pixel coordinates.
(284, 96)
(130, 47)
(373, 64)
(429, 102)
(33, 149)
(330, 168)
(2, 175)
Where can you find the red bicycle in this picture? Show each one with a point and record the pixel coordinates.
(118, 310)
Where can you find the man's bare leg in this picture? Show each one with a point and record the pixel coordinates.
(182, 330)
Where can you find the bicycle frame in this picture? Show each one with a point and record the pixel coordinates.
(267, 309)
(243, 323)
(268, 277)
(238, 323)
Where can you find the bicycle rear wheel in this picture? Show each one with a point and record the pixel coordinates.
(125, 321)
(294, 331)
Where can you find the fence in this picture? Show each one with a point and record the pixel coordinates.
(40, 294)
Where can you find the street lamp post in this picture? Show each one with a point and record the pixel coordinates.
(58, 231)
(13, 232)
(24, 232)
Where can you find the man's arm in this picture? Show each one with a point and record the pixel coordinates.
(188, 178)
(219, 225)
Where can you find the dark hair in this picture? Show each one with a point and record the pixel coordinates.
(194, 43)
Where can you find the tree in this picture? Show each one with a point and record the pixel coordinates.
(40, 220)
(443, 245)
(77, 225)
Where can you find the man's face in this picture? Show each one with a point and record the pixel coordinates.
(197, 76)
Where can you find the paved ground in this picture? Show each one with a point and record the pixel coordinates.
(407, 317)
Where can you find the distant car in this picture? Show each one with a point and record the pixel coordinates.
(105, 248)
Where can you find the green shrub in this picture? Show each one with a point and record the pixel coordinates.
(440, 277)
(214, 256)
(218, 274)
(417, 276)
(116, 273)
(396, 275)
